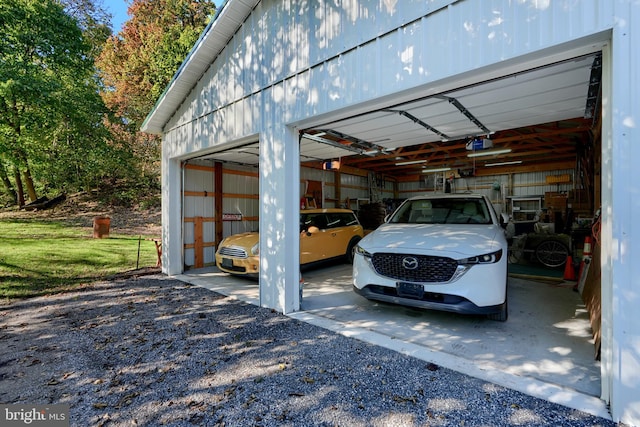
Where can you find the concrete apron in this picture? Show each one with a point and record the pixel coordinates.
(545, 349)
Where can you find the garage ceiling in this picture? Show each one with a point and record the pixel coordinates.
(542, 115)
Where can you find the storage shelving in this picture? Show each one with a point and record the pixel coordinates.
(525, 208)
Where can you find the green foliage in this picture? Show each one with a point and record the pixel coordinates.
(138, 64)
(41, 48)
(73, 95)
(51, 114)
(39, 257)
(93, 20)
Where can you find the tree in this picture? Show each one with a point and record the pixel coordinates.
(94, 22)
(45, 64)
(68, 121)
(138, 64)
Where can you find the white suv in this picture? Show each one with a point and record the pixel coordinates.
(443, 252)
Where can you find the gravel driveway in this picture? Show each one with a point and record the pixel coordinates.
(155, 351)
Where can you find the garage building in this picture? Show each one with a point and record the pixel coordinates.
(281, 105)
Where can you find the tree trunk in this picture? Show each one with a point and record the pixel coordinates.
(7, 184)
(28, 180)
(21, 201)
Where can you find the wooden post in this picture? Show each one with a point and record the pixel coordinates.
(198, 247)
(218, 182)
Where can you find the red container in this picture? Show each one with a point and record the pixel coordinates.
(101, 226)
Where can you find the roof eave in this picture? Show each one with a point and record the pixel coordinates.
(212, 41)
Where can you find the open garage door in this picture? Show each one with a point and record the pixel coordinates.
(537, 116)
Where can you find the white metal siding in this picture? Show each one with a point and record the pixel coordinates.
(240, 196)
(317, 60)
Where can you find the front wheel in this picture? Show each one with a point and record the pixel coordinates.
(351, 250)
(552, 253)
(503, 314)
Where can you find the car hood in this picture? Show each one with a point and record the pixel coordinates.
(245, 240)
(453, 240)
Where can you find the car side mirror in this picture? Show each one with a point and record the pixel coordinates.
(504, 220)
(312, 230)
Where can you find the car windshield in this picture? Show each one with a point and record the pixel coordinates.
(443, 211)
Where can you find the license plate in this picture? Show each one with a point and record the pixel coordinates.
(227, 262)
(410, 290)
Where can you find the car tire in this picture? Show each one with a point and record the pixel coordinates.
(502, 315)
(351, 248)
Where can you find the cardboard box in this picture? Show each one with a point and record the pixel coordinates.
(556, 201)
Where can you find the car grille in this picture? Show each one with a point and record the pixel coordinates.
(233, 251)
(427, 268)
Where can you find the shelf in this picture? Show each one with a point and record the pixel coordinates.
(349, 203)
(525, 208)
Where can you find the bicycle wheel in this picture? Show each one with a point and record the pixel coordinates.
(552, 253)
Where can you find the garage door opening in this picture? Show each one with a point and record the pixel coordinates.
(549, 120)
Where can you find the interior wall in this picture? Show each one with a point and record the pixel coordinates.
(240, 195)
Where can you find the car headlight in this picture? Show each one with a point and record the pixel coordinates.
(489, 258)
(255, 249)
(362, 252)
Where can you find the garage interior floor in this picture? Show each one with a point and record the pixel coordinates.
(545, 349)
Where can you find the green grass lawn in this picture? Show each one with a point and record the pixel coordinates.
(39, 257)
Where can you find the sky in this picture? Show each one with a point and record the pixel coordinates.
(118, 9)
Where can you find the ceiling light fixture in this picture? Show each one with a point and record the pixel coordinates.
(489, 152)
(515, 162)
(410, 162)
(435, 170)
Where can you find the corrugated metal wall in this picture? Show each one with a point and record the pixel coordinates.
(498, 188)
(357, 51)
(241, 195)
(198, 214)
(240, 191)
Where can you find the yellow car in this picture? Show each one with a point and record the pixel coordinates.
(325, 234)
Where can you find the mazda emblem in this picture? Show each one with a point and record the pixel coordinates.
(409, 263)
